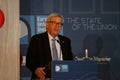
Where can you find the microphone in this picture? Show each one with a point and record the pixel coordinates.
(58, 41)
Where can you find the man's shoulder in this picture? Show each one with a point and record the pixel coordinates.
(63, 37)
(40, 35)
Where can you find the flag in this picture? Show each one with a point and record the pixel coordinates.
(9, 40)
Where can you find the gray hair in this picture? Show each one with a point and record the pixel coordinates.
(55, 15)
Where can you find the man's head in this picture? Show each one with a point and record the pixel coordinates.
(54, 24)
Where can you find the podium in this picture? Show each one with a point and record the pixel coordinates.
(79, 70)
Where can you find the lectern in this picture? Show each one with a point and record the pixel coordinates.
(74, 70)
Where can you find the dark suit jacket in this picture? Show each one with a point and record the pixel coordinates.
(39, 54)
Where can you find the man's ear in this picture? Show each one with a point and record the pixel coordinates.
(47, 25)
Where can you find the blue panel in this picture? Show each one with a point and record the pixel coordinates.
(74, 70)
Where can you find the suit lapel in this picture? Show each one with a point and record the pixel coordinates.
(47, 45)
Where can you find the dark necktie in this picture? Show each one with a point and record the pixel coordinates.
(54, 49)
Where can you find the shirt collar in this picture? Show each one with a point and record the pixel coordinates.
(50, 37)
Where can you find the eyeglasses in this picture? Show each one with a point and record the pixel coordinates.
(56, 24)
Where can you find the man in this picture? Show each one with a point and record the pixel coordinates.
(40, 51)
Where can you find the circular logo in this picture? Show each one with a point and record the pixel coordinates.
(57, 68)
(2, 18)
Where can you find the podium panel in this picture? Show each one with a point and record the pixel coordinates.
(74, 70)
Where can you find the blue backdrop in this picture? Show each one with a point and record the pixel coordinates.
(90, 24)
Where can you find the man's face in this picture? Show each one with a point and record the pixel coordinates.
(54, 26)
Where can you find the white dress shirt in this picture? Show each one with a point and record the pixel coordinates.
(57, 46)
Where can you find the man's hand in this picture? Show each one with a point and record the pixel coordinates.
(40, 72)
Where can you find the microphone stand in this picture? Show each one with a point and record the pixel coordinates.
(60, 48)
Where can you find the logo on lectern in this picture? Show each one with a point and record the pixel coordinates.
(61, 68)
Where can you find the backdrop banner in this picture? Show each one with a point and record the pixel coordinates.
(92, 25)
